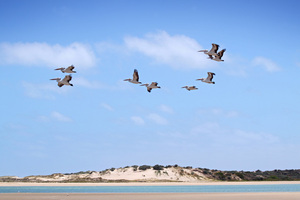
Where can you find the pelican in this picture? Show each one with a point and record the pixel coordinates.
(208, 79)
(68, 70)
(65, 81)
(219, 55)
(212, 52)
(153, 85)
(135, 78)
(189, 88)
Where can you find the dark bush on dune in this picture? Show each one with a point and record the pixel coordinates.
(158, 167)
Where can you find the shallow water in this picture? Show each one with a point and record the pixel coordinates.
(152, 189)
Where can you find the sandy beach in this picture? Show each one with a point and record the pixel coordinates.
(156, 196)
(150, 183)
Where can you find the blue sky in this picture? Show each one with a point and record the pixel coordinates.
(248, 120)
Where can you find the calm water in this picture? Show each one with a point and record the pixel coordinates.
(151, 189)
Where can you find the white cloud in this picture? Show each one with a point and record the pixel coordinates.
(79, 81)
(178, 51)
(43, 91)
(219, 112)
(137, 120)
(43, 54)
(225, 135)
(267, 64)
(166, 109)
(107, 106)
(208, 129)
(43, 118)
(258, 137)
(60, 117)
(157, 119)
(54, 116)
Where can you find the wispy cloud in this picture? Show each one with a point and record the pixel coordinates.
(226, 135)
(178, 51)
(253, 136)
(54, 116)
(80, 81)
(43, 54)
(60, 117)
(43, 91)
(137, 120)
(157, 119)
(219, 112)
(95, 84)
(107, 106)
(266, 63)
(166, 109)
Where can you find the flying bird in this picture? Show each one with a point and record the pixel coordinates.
(208, 79)
(135, 78)
(67, 70)
(212, 52)
(219, 55)
(65, 81)
(189, 88)
(153, 85)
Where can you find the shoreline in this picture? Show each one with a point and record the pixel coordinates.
(151, 196)
(150, 183)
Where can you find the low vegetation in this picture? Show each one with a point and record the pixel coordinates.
(196, 173)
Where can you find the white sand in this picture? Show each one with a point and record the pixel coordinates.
(149, 183)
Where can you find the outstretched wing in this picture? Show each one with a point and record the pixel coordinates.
(220, 54)
(135, 75)
(67, 78)
(71, 67)
(153, 84)
(210, 76)
(214, 48)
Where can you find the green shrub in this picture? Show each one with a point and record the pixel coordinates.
(135, 167)
(239, 174)
(158, 167)
(144, 167)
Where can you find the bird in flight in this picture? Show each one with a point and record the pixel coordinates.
(208, 79)
(135, 78)
(189, 88)
(67, 70)
(65, 81)
(153, 85)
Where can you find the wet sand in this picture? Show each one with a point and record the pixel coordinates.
(154, 196)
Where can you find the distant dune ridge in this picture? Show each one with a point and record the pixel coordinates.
(159, 173)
